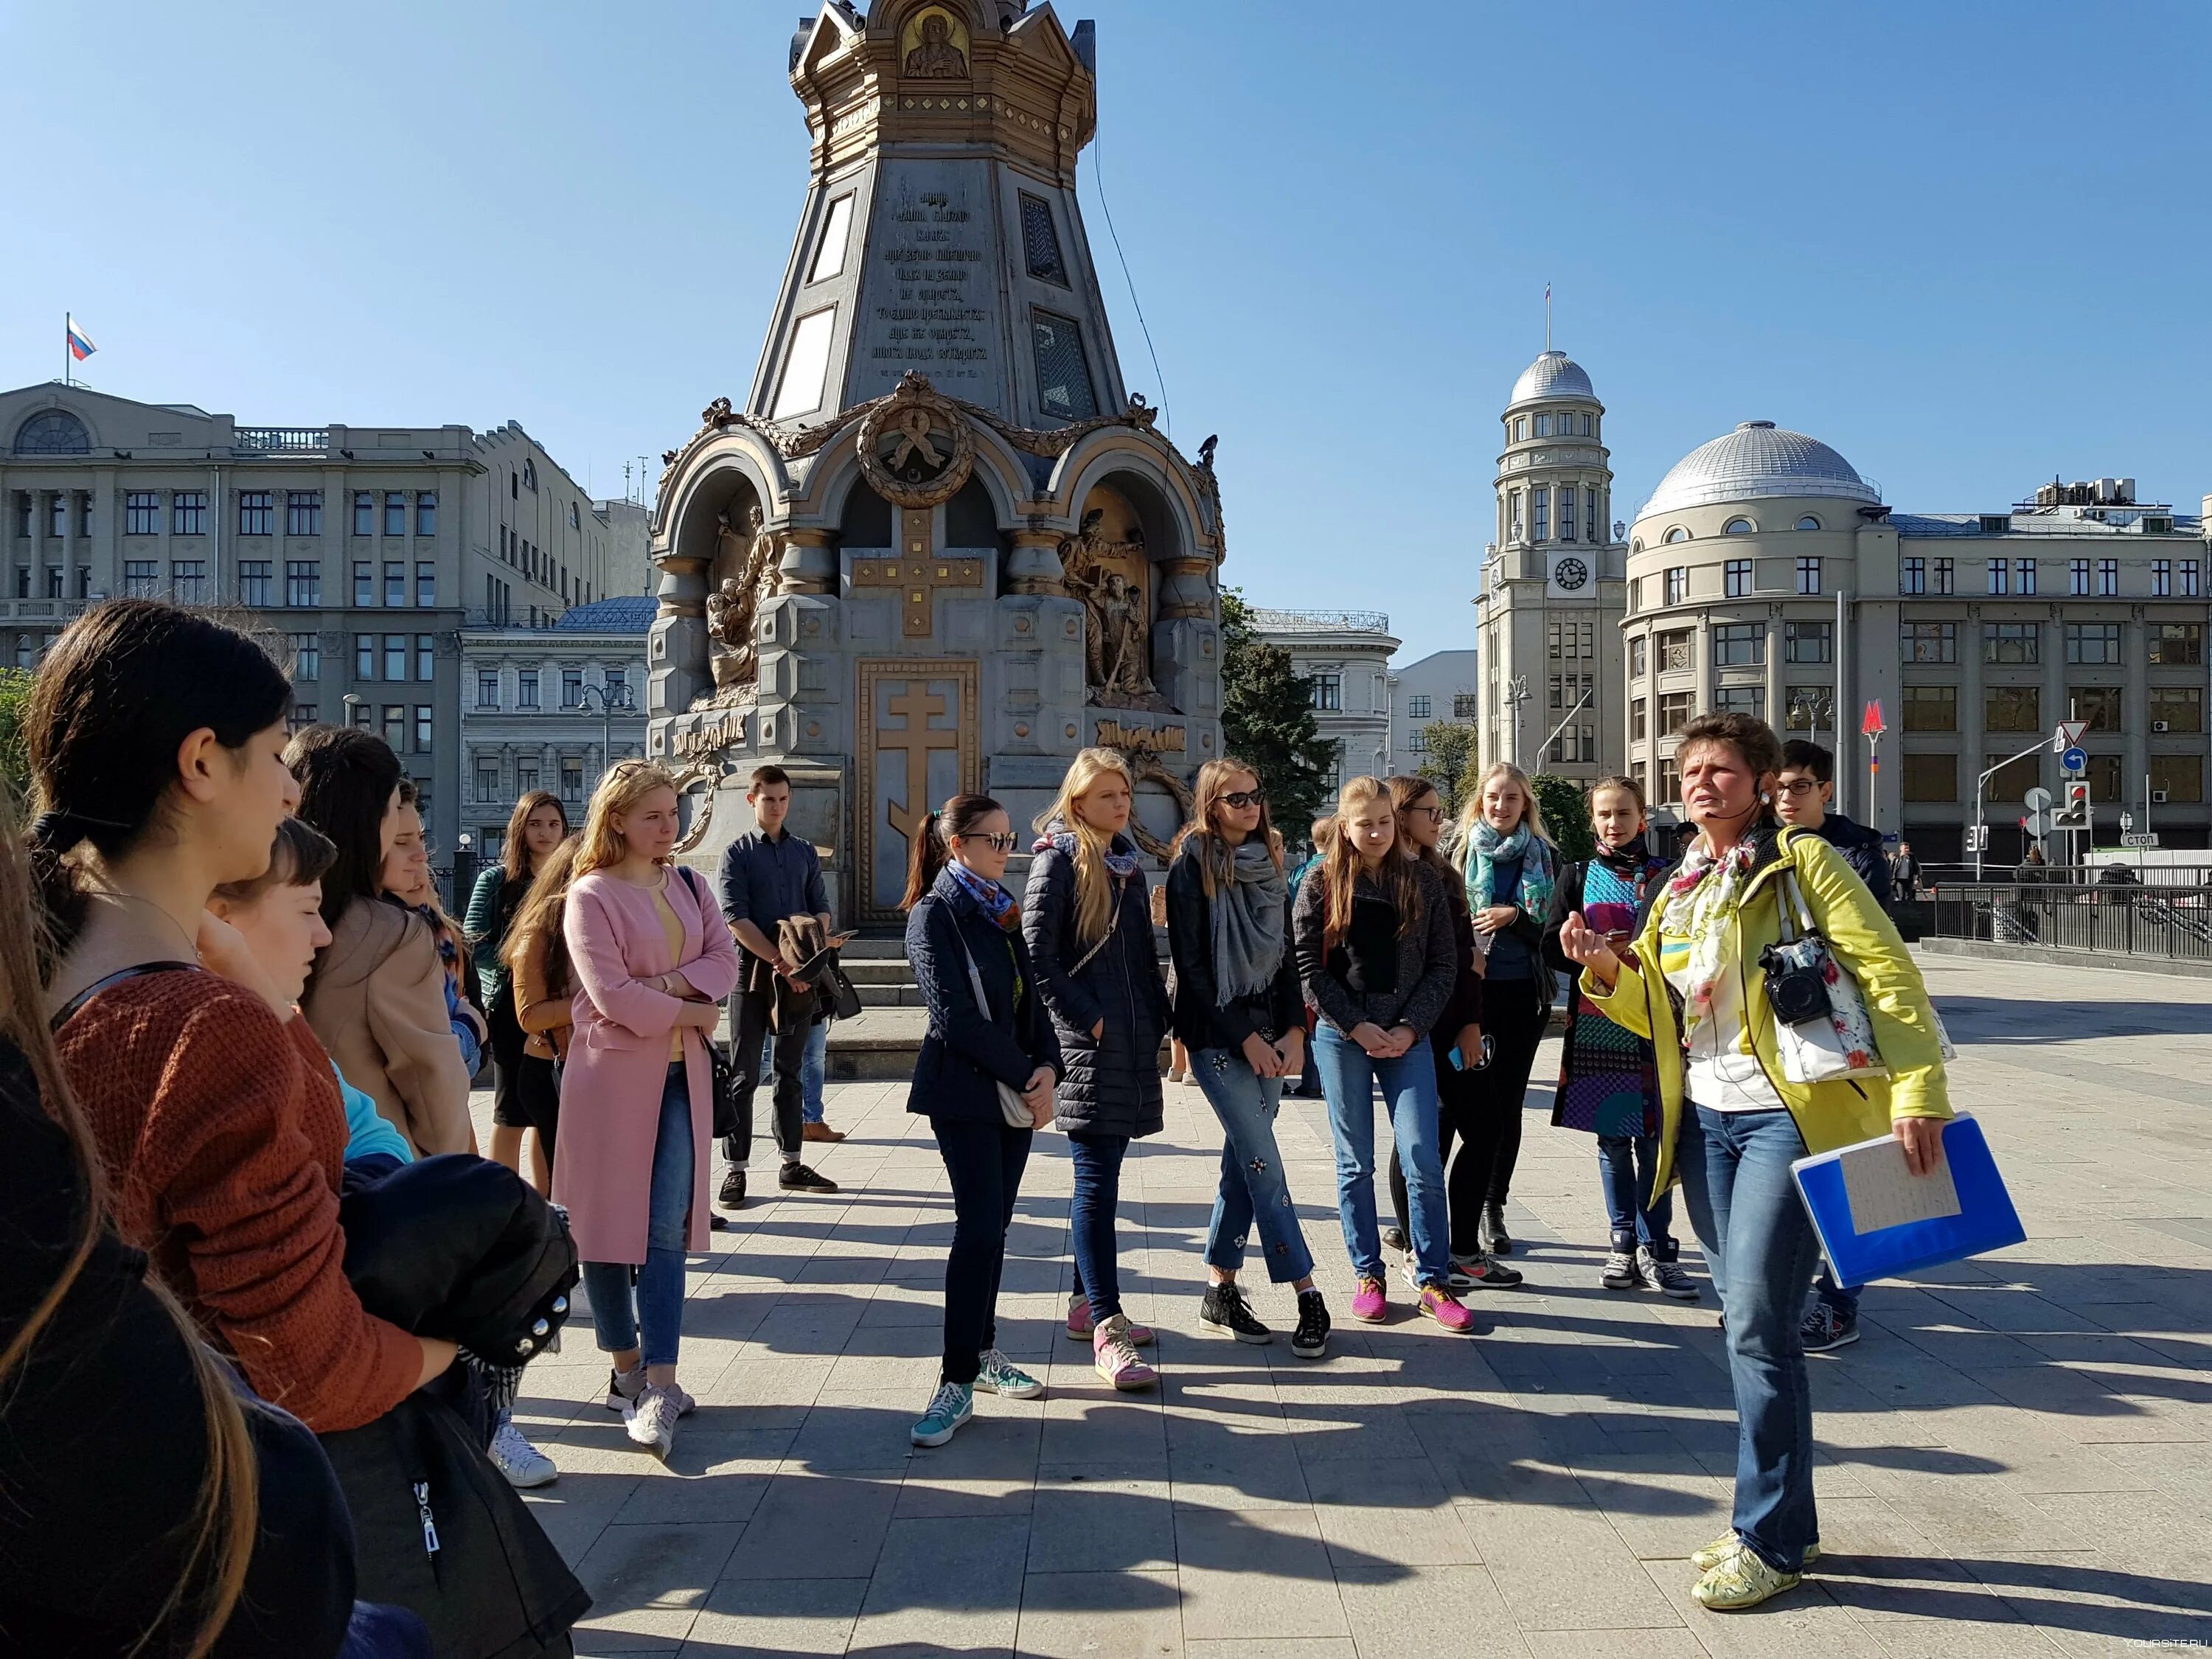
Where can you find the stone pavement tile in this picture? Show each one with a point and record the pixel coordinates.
(1312, 1647)
(1236, 1469)
(1388, 1510)
(2093, 1600)
(1427, 1612)
(1565, 1568)
(1802, 1621)
(1966, 1512)
(1350, 1432)
(769, 1615)
(577, 1508)
(1661, 1509)
(701, 1448)
(1092, 1616)
(648, 1582)
(2181, 1472)
(942, 1585)
(2154, 1533)
(674, 1500)
(923, 1498)
(1875, 1562)
(764, 1393)
(1224, 1555)
(860, 1429)
(815, 1527)
(1102, 1428)
(1962, 1638)
(1676, 1643)
(1082, 1522)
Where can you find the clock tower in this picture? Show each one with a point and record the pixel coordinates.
(1553, 586)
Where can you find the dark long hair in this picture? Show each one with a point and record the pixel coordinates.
(1406, 791)
(514, 851)
(347, 776)
(122, 689)
(933, 842)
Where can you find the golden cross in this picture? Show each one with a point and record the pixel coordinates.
(916, 576)
(917, 705)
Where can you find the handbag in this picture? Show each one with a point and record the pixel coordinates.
(724, 1097)
(1822, 1031)
(1012, 1106)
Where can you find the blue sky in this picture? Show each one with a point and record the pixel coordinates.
(1965, 243)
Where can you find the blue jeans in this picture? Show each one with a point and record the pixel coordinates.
(811, 1069)
(1348, 1077)
(1761, 1251)
(1091, 1220)
(1627, 1164)
(1253, 1186)
(658, 1304)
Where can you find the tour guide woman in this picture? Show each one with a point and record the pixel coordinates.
(1732, 1123)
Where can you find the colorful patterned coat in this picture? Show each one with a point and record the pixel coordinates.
(1609, 1079)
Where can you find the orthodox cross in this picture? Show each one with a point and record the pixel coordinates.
(917, 705)
(916, 574)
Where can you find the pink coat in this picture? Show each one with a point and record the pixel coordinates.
(617, 1064)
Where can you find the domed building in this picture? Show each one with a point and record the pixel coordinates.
(1552, 582)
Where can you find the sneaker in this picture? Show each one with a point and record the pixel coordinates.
(1000, 1375)
(1482, 1273)
(1666, 1277)
(1308, 1087)
(1728, 1544)
(951, 1406)
(1624, 1270)
(1741, 1581)
(797, 1178)
(1368, 1302)
(522, 1463)
(1824, 1330)
(733, 1189)
(650, 1420)
(1115, 1357)
(1440, 1305)
(1079, 1324)
(1224, 1309)
(818, 1130)
(1495, 1240)
(717, 1222)
(1311, 1339)
(1393, 1238)
(623, 1388)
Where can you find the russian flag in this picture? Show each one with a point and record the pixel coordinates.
(80, 342)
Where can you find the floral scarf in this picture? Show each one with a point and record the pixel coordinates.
(1118, 863)
(1487, 849)
(994, 900)
(1704, 911)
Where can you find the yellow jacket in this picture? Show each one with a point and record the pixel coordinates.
(1867, 946)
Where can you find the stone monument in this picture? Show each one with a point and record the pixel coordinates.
(940, 547)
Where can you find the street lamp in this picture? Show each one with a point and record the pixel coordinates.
(609, 702)
(1516, 693)
(353, 703)
(1816, 706)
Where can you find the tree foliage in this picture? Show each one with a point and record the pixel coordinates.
(1267, 720)
(14, 751)
(1453, 763)
(1567, 815)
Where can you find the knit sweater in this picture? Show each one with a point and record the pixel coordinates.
(224, 1137)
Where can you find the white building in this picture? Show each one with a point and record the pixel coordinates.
(1347, 654)
(1444, 685)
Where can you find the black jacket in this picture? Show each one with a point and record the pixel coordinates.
(1861, 849)
(1463, 1007)
(1427, 969)
(1202, 1019)
(968, 1051)
(1110, 1084)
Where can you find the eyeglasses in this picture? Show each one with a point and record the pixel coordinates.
(1799, 788)
(1246, 798)
(996, 843)
(1435, 813)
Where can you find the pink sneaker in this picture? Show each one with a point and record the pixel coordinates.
(1444, 1308)
(1368, 1302)
(1114, 1357)
(1079, 1324)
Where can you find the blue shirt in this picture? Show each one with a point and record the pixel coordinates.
(366, 1132)
(1510, 958)
(765, 881)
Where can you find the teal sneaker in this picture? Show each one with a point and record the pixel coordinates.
(952, 1405)
(1000, 1375)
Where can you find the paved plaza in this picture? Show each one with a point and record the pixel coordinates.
(2017, 1460)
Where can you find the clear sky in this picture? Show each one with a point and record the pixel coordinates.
(1967, 244)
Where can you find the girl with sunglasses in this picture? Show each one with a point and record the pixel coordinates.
(1239, 1011)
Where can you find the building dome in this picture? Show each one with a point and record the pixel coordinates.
(1555, 374)
(1758, 459)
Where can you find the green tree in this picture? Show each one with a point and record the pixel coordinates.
(1453, 765)
(1267, 720)
(15, 751)
(1567, 815)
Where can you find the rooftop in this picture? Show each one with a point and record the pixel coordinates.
(1553, 374)
(1758, 461)
(625, 613)
(1319, 622)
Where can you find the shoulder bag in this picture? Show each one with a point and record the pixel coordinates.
(1822, 1032)
(718, 1060)
(1011, 1107)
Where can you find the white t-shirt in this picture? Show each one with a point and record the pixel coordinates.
(1718, 1073)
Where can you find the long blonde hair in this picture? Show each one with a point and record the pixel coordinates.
(1339, 870)
(1470, 813)
(537, 925)
(1094, 894)
(626, 784)
(1215, 859)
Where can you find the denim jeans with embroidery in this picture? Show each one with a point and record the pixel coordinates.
(1253, 1186)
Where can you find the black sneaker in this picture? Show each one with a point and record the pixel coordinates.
(1496, 1241)
(1224, 1309)
(1825, 1330)
(1311, 1339)
(733, 1189)
(1394, 1238)
(797, 1178)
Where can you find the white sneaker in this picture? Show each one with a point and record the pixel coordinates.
(522, 1463)
(650, 1420)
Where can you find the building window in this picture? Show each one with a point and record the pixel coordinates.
(1809, 576)
(364, 512)
(54, 581)
(426, 583)
(1931, 777)
(1416, 741)
(426, 513)
(1638, 718)
(1670, 781)
(1521, 429)
(307, 651)
(1931, 708)
(364, 583)
(1673, 650)
(364, 656)
(2108, 578)
(1592, 530)
(395, 727)
(1675, 708)
(2019, 643)
(257, 512)
(1417, 708)
(142, 512)
(1946, 575)
(303, 513)
(525, 689)
(1999, 570)
(2077, 578)
(487, 688)
(1566, 513)
(255, 582)
(2011, 778)
(395, 656)
(2177, 709)
(572, 688)
(1328, 692)
(2189, 579)
(424, 712)
(142, 578)
(1740, 645)
(487, 782)
(1737, 527)
(364, 716)
(2092, 642)
(1636, 657)
(395, 513)
(425, 658)
(1736, 578)
(1808, 522)
(395, 583)
(1063, 371)
(2097, 706)
(2012, 708)
(188, 580)
(1540, 507)
(1928, 641)
(1570, 639)
(1676, 534)
(2178, 777)
(303, 582)
(1466, 705)
(1040, 239)
(571, 780)
(1740, 700)
(1807, 641)
(1513, 514)
(2161, 579)
(1543, 426)
(188, 513)
(2024, 569)
(1678, 583)
(2177, 645)
(303, 715)
(526, 775)
(1801, 704)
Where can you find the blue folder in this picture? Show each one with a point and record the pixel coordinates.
(1984, 1220)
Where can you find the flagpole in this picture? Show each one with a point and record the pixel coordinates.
(69, 322)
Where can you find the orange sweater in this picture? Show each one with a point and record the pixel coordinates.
(224, 1138)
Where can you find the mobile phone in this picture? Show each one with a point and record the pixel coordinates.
(1459, 1065)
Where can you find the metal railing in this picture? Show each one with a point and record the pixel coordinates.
(296, 440)
(2172, 922)
(1314, 621)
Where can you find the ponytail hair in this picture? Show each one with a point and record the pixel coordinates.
(933, 842)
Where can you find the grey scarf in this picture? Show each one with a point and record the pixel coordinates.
(1248, 924)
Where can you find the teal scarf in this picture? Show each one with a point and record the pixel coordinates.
(1486, 847)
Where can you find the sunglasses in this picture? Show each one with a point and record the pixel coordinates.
(996, 843)
(1246, 798)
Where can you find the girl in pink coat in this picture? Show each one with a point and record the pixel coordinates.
(653, 961)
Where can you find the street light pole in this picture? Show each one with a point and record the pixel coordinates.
(607, 707)
(1516, 693)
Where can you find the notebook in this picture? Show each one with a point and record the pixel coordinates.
(1877, 1219)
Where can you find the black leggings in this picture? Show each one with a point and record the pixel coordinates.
(1514, 1020)
(1456, 1104)
(538, 1102)
(984, 1161)
(507, 1040)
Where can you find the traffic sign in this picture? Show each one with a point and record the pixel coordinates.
(2068, 736)
(2140, 838)
(2075, 760)
(2037, 824)
(1978, 838)
(2036, 799)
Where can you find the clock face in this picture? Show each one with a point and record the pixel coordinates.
(1571, 574)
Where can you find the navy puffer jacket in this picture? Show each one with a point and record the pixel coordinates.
(1111, 1084)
